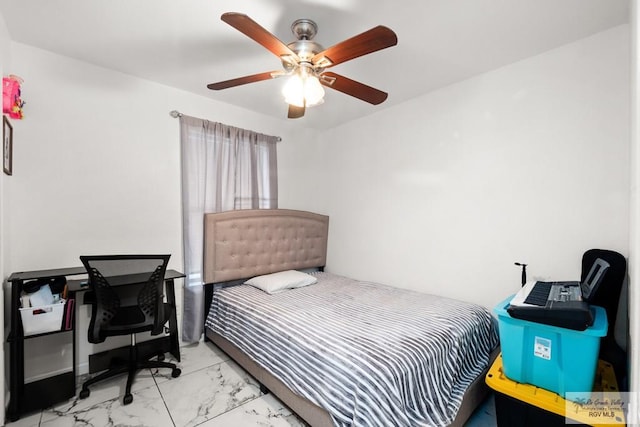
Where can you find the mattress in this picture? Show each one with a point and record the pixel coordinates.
(369, 354)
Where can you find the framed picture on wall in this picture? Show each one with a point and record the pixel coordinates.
(7, 150)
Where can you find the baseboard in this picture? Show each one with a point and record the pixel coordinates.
(101, 361)
(82, 369)
(6, 406)
(146, 349)
(46, 375)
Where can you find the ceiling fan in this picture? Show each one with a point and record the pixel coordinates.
(305, 61)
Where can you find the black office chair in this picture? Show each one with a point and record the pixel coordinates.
(607, 295)
(128, 291)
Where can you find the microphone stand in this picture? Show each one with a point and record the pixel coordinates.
(524, 272)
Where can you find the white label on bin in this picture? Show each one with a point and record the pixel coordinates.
(542, 348)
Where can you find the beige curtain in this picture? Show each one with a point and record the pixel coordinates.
(223, 168)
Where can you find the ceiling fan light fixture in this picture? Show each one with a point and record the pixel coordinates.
(313, 91)
(303, 91)
(293, 91)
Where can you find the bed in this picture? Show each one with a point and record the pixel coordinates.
(340, 351)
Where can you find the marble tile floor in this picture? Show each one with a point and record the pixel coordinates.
(189, 400)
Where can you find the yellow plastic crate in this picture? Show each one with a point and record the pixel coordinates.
(553, 403)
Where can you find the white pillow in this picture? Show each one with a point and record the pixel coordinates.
(281, 281)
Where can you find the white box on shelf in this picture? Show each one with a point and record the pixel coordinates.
(46, 318)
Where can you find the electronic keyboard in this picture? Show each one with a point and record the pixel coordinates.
(563, 304)
(552, 303)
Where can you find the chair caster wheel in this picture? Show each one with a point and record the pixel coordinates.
(84, 393)
(160, 357)
(128, 398)
(175, 373)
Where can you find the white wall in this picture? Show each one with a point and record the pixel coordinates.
(634, 256)
(5, 188)
(526, 163)
(97, 170)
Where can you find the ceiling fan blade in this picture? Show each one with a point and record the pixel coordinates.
(375, 39)
(353, 88)
(243, 80)
(253, 30)
(295, 112)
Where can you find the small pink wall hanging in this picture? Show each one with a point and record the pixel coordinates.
(11, 102)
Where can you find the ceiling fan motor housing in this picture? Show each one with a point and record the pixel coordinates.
(305, 30)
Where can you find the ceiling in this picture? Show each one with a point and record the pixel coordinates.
(184, 44)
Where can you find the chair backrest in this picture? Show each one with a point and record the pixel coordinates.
(128, 294)
(607, 295)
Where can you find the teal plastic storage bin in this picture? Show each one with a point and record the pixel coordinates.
(557, 359)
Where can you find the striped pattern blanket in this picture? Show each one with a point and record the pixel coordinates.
(369, 354)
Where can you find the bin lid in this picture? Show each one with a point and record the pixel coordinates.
(611, 415)
(598, 329)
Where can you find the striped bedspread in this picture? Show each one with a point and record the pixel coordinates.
(369, 354)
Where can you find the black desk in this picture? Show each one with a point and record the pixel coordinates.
(46, 392)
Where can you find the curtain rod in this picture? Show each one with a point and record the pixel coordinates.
(175, 114)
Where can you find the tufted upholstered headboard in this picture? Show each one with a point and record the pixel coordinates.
(246, 243)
